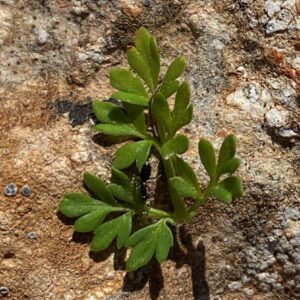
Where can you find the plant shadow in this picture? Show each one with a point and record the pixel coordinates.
(183, 253)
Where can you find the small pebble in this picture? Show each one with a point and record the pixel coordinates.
(31, 235)
(10, 190)
(4, 291)
(146, 2)
(26, 191)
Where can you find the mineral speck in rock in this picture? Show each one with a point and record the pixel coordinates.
(31, 235)
(41, 36)
(4, 291)
(10, 190)
(26, 191)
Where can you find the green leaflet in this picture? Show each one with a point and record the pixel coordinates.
(183, 110)
(170, 84)
(105, 233)
(137, 116)
(119, 130)
(186, 172)
(146, 46)
(96, 186)
(109, 113)
(177, 145)
(124, 80)
(162, 114)
(156, 238)
(78, 204)
(121, 186)
(227, 151)
(131, 98)
(133, 151)
(175, 69)
(184, 188)
(228, 189)
(208, 158)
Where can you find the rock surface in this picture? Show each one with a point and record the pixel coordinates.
(243, 66)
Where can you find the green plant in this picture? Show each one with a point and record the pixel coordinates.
(145, 115)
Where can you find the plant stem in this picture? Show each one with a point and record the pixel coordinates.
(206, 194)
(178, 204)
(154, 212)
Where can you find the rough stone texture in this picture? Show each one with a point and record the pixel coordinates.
(243, 66)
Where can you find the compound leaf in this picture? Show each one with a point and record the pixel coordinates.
(208, 158)
(177, 145)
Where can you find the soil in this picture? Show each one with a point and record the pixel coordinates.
(243, 67)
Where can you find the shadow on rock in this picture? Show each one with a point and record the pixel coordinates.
(195, 258)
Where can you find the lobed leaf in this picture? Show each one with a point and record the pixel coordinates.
(153, 239)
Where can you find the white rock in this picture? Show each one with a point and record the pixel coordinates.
(272, 7)
(234, 286)
(276, 118)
